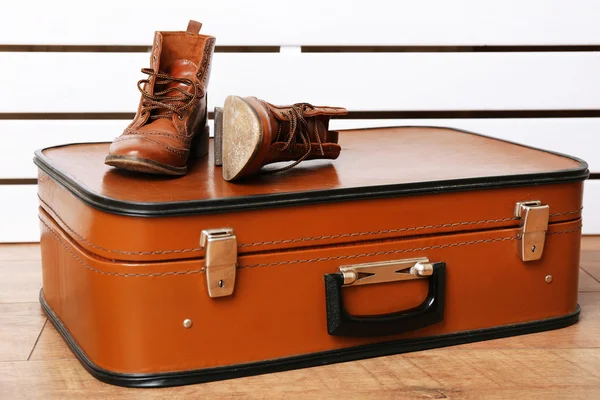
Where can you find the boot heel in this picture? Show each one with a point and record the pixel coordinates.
(199, 146)
(218, 140)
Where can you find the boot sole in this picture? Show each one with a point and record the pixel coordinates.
(242, 136)
(143, 165)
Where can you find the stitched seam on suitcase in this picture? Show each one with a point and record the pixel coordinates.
(305, 239)
(87, 266)
(446, 225)
(195, 271)
(379, 253)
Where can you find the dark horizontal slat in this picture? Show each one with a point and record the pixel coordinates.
(123, 49)
(57, 116)
(479, 114)
(247, 49)
(305, 49)
(24, 181)
(447, 49)
(472, 114)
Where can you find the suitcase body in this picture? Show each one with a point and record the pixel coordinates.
(414, 238)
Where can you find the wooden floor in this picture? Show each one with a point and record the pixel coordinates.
(561, 364)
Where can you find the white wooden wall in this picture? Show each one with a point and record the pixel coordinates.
(527, 71)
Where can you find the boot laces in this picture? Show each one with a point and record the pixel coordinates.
(298, 133)
(161, 99)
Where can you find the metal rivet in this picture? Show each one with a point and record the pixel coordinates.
(221, 283)
(548, 278)
(187, 323)
(154, 57)
(533, 249)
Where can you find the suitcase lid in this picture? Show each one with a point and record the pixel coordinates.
(375, 163)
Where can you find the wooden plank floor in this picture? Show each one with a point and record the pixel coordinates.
(560, 364)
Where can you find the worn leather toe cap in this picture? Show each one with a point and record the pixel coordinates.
(148, 149)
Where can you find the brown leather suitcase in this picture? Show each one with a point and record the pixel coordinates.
(415, 238)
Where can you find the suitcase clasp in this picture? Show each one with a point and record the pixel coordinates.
(221, 260)
(386, 271)
(534, 223)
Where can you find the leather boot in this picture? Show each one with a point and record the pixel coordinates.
(256, 133)
(171, 120)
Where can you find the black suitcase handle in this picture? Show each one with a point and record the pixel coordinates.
(429, 312)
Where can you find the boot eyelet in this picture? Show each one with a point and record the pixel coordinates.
(180, 117)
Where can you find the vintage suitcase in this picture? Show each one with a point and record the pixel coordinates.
(415, 238)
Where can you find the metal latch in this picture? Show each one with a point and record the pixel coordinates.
(534, 224)
(221, 260)
(386, 271)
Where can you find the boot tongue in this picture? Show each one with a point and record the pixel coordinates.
(181, 69)
(178, 69)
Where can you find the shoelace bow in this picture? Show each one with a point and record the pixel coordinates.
(160, 100)
(298, 131)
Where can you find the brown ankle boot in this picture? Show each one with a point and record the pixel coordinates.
(171, 120)
(257, 133)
